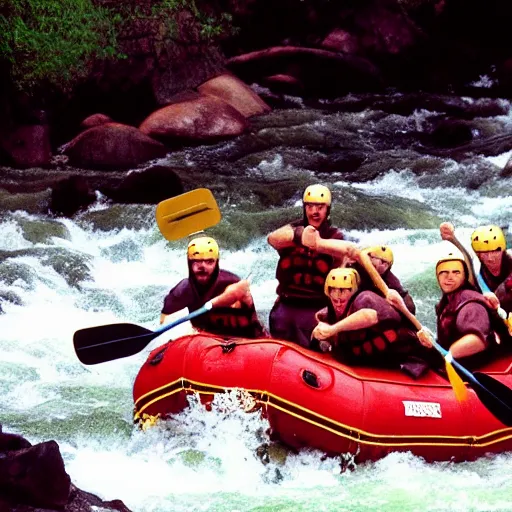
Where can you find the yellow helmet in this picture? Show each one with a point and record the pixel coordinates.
(343, 278)
(488, 238)
(317, 194)
(382, 252)
(203, 248)
(451, 261)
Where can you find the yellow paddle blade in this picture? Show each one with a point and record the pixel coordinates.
(459, 388)
(187, 213)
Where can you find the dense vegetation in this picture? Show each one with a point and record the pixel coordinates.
(57, 41)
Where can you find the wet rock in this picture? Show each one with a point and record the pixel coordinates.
(82, 501)
(29, 202)
(149, 186)
(451, 132)
(323, 72)
(71, 195)
(95, 120)
(73, 267)
(28, 146)
(112, 146)
(9, 296)
(205, 119)
(38, 231)
(340, 40)
(272, 452)
(490, 146)
(507, 170)
(10, 442)
(35, 476)
(284, 84)
(342, 161)
(236, 93)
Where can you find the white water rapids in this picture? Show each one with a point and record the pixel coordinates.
(205, 461)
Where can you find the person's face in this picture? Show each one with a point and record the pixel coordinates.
(450, 277)
(316, 213)
(380, 265)
(491, 258)
(203, 269)
(339, 298)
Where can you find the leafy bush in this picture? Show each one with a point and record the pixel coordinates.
(57, 41)
(54, 40)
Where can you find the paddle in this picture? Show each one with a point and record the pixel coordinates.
(187, 213)
(448, 233)
(104, 343)
(494, 395)
(456, 382)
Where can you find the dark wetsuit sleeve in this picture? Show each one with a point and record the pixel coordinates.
(388, 317)
(504, 294)
(473, 318)
(337, 234)
(176, 299)
(321, 316)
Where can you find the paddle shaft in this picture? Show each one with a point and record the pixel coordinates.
(497, 400)
(151, 335)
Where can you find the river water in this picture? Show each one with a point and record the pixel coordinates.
(110, 264)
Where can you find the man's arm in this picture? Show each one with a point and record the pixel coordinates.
(474, 325)
(284, 237)
(334, 247)
(175, 300)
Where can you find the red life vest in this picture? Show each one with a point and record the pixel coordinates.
(237, 322)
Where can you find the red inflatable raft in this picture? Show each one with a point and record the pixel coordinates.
(312, 401)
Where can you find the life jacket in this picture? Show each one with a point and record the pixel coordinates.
(239, 321)
(373, 345)
(301, 272)
(447, 312)
(391, 280)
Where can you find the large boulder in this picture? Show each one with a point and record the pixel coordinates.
(35, 476)
(206, 118)
(95, 120)
(70, 195)
(322, 72)
(340, 40)
(149, 186)
(112, 146)
(235, 92)
(28, 146)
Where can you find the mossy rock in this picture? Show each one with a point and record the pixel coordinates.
(42, 231)
(73, 267)
(33, 203)
(118, 216)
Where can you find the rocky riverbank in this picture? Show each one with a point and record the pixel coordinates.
(33, 478)
(186, 83)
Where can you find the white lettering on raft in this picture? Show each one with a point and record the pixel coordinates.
(422, 409)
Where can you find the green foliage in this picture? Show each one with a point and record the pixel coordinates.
(54, 40)
(57, 41)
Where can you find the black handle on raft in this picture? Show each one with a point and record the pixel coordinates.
(310, 379)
